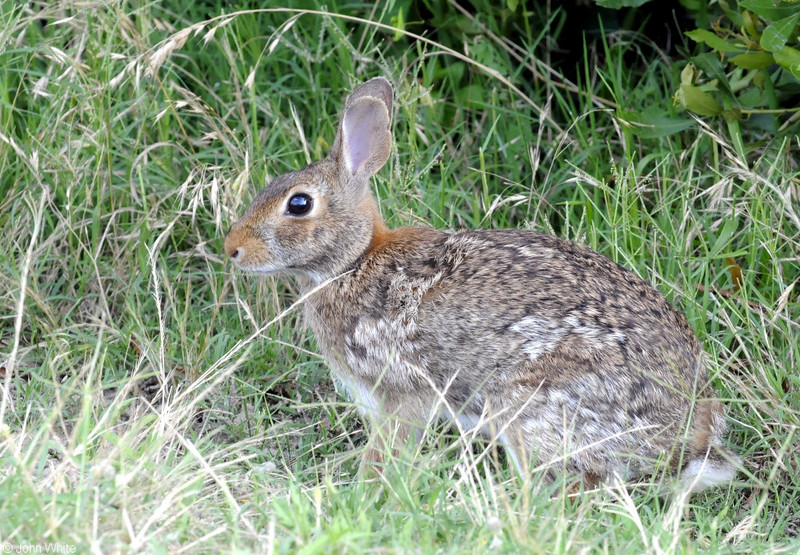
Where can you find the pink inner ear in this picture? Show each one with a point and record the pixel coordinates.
(362, 126)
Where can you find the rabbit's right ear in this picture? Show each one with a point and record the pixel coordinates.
(364, 139)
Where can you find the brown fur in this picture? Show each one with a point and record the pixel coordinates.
(555, 351)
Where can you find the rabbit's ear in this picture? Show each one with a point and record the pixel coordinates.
(378, 88)
(364, 140)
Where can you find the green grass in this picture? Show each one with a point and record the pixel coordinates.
(154, 399)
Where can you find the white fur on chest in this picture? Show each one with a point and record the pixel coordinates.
(361, 394)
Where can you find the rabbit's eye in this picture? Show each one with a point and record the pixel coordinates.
(299, 205)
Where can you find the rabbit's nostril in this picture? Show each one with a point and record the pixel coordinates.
(235, 254)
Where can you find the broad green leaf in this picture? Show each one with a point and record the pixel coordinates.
(753, 60)
(732, 12)
(650, 126)
(752, 97)
(714, 41)
(789, 58)
(750, 24)
(710, 64)
(778, 34)
(688, 74)
(758, 80)
(699, 101)
(771, 9)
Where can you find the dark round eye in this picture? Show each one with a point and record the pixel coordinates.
(299, 205)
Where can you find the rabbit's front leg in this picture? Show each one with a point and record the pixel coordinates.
(388, 433)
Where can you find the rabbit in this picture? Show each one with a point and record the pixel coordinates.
(548, 348)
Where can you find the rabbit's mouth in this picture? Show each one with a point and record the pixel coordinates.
(262, 270)
(272, 270)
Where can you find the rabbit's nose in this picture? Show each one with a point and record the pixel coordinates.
(233, 246)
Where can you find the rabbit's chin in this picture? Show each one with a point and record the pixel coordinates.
(263, 270)
(314, 278)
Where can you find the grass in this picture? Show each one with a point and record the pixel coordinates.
(155, 400)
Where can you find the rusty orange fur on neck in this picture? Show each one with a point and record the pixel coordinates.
(380, 233)
(384, 237)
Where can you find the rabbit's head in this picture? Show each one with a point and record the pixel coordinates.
(317, 222)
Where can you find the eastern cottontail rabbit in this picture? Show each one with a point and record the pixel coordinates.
(548, 347)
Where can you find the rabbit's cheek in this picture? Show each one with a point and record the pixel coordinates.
(293, 235)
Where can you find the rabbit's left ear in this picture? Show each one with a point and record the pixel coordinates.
(364, 139)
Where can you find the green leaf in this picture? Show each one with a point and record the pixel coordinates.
(688, 74)
(715, 42)
(750, 24)
(758, 80)
(752, 97)
(699, 101)
(711, 65)
(778, 34)
(789, 58)
(753, 60)
(651, 126)
(770, 9)
(725, 236)
(399, 23)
